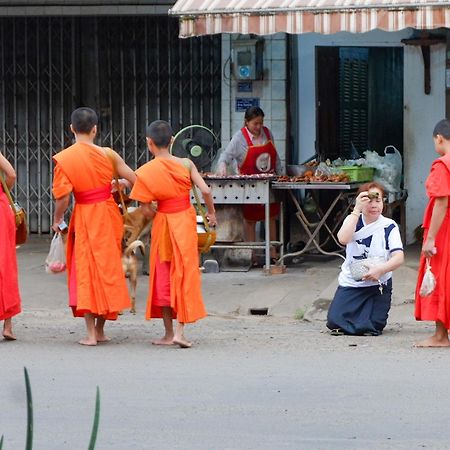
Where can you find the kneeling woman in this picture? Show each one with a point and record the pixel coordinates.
(373, 250)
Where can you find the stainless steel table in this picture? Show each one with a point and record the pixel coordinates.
(247, 190)
(344, 192)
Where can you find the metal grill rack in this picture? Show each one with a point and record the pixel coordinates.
(243, 191)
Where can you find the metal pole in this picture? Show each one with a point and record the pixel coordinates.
(3, 118)
(38, 129)
(267, 230)
(135, 144)
(110, 99)
(158, 74)
(122, 93)
(27, 125)
(50, 113)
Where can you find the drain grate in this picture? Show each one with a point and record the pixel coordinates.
(259, 311)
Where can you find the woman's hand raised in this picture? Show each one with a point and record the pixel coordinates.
(362, 200)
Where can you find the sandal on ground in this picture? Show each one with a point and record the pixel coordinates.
(337, 332)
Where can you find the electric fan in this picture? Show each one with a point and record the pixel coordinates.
(197, 143)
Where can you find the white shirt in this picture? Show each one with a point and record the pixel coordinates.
(384, 240)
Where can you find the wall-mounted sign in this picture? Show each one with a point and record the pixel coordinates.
(243, 103)
(245, 86)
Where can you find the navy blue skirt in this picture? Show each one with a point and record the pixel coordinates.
(360, 310)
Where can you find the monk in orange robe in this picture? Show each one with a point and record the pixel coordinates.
(10, 304)
(175, 285)
(436, 243)
(97, 285)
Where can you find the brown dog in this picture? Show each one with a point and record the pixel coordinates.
(136, 225)
(130, 268)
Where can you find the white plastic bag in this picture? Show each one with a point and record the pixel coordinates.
(360, 267)
(388, 168)
(428, 282)
(56, 258)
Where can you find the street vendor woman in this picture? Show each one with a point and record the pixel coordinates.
(253, 150)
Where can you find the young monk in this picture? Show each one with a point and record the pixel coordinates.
(97, 285)
(9, 286)
(175, 286)
(436, 243)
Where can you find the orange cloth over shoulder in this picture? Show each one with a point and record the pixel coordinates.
(95, 233)
(174, 237)
(436, 307)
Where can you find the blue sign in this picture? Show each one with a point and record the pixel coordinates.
(245, 86)
(243, 103)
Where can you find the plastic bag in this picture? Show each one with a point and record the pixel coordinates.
(388, 168)
(56, 258)
(393, 170)
(428, 282)
(360, 267)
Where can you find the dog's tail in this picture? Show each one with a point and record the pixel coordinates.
(133, 247)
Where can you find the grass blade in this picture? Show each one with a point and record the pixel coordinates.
(29, 444)
(1, 443)
(96, 421)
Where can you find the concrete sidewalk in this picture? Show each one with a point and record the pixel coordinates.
(306, 289)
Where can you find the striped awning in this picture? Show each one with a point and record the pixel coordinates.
(199, 17)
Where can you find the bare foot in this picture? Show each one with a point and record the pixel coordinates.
(8, 336)
(88, 342)
(163, 341)
(433, 341)
(103, 338)
(182, 342)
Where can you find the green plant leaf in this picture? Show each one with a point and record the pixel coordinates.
(96, 421)
(1, 443)
(29, 444)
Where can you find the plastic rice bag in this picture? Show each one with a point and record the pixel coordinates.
(56, 258)
(428, 282)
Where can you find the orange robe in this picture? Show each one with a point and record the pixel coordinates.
(174, 238)
(97, 283)
(9, 285)
(436, 307)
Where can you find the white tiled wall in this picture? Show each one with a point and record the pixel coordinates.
(271, 91)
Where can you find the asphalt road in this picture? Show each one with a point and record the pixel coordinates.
(248, 383)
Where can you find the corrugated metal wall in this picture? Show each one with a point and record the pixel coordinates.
(132, 70)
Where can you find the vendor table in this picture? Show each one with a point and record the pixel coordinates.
(247, 190)
(344, 192)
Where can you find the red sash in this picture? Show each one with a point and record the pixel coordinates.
(259, 159)
(174, 205)
(97, 195)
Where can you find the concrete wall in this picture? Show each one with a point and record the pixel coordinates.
(271, 91)
(421, 111)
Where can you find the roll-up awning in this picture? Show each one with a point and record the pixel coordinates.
(263, 17)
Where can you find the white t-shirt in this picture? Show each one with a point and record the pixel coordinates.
(379, 238)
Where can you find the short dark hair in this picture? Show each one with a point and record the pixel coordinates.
(252, 112)
(442, 128)
(83, 120)
(160, 132)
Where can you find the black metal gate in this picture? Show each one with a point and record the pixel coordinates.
(132, 70)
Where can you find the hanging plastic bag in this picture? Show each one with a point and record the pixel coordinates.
(56, 258)
(392, 173)
(428, 282)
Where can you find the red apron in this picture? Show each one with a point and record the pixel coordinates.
(259, 159)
